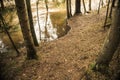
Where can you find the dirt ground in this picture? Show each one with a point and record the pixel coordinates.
(67, 58)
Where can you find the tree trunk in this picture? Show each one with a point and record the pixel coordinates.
(68, 10)
(84, 7)
(31, 23)
(2, 4)
(113, 5)
(111, 43)
(99, 7)
(24, 23)
(46, 30)
(78, 6)
(38, 19)
(9, 36)
(106, 14)
(90, 5)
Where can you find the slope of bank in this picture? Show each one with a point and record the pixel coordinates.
(66, 58)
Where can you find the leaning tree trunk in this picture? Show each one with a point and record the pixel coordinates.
(84, 7)
(24, 23)
(111, 43)
(31, 23)
(9, 36)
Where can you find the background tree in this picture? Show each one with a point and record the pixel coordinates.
(68, 5)
(7, 32)
(24, 23)
(37, 3)
(90, 5)
(70, 8)
(111, 43)
(113, 5)
(84, 6)
(2, 4)
(77, 6)
(31, 22)
(106, 14)
(99, 6)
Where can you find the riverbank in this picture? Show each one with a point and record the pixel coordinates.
(66, 58)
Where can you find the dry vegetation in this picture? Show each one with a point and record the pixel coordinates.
(70, 57)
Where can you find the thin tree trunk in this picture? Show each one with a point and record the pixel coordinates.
(11, 40)
(38, 19)
(70, 8)
(113, 5)
(99, 6)
(24, 23)
(102, 3)
(111, 43)
(31, 23)
(46, 31)
(89, 5)
(84, 7)
(67, 7)
(106, 14)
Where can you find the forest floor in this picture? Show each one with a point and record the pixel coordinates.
(70, 57)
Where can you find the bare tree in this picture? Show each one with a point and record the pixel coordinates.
(111, 43)
(11, 40)
(77, 6)
(113, 5)
(31, 23)
(2, 4)
(99, 6)
(90, 5)
(106, 14)
(25, 27)
(84, 7)
(68, 7)
(38, 18)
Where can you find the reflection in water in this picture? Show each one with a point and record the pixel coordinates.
(45, 28)
(48, 32)
(3, 49)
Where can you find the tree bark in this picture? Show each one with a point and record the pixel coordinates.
(99, 6)
(113, 5)
(90, 5)
(24, 23)
(46, 30)
(84, 7)
(9, 36)
(38, 19)
(78, 6)
(106, 14)
(68, 9)
(29, 11)
(111, 43)
(2, 4)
